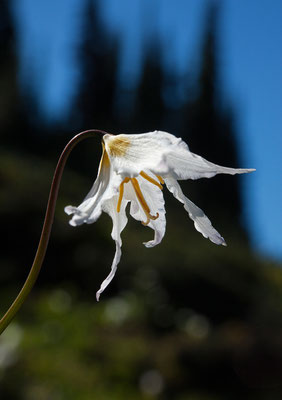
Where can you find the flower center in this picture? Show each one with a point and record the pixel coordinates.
(139, 194)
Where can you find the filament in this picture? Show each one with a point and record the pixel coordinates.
(151, 180)
(160, 179)
(142, 202)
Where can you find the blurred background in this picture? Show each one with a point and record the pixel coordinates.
(187, 320)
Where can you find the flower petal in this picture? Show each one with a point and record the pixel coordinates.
(155, 201)
(111, 275)
(183, 164)
(119, 222)
(201, 221)
(105, 186)
(161, 153)
(130, 154)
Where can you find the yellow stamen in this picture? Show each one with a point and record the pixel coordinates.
(142, 201)
(151, 180)
(160, 179)
(121, 191)
(139, 195)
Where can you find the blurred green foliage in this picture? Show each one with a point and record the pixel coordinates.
(186, 320)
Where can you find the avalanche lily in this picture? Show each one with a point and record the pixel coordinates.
(133, 169)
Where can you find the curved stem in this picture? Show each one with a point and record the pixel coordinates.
(46, 230)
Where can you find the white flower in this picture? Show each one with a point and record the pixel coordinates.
(133, 169)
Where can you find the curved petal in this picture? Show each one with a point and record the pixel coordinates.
(105, 186)
(130, 154)
(201, 221)
(155, 201)
(183, 164)
(161, 153)
(119, 222)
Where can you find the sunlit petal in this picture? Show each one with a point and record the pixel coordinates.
(161, 153)
(201, 221)
(105, 187)
(183, 164)
(119, 222)
(143, 151)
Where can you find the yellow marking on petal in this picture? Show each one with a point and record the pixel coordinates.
(105, 158)
(142, 202)
(160, 179)
(121, 191)
(151, 180)
(117, 145)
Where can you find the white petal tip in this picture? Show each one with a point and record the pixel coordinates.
(97, 296)
(69, 210)
(76, 221)
(221, 241)
(245, 171)
(149, 244)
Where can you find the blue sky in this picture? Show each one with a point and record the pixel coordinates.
(251, 69)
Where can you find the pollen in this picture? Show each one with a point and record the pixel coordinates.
(117, 145)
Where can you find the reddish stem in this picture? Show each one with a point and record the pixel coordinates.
(46, 230)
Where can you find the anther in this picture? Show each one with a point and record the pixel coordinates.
(149, 217)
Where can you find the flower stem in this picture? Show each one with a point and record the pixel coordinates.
(46, 230)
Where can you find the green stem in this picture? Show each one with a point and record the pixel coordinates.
(46, 230)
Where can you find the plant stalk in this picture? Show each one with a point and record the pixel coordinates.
(46, 230)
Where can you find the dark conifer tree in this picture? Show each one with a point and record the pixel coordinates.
(13, 121)
(98, 66)
(210, 132)
(149, 105)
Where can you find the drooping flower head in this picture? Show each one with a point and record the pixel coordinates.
(133, 169)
